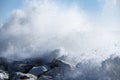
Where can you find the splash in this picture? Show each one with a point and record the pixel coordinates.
(39, 27)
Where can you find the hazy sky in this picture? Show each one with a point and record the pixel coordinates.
(7, 6)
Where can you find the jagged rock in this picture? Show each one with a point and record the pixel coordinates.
(3, 75)
(59, 53)
(23, 67)
(60, 63)
(43, 77)
(30, 69)
(59, 67)
(13, 66)
(19, 66)
(22, 76)
(39, 70)
(55, 71)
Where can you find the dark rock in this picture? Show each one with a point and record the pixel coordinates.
(57, 71)
(31, 69)
(43, 77)
(59, 67)
(59, 53)
(60, 63)
(13, 66)
(24, 68)
(18, 66)
(39, 70)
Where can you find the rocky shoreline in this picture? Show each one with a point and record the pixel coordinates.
(58, 69)
(32, 69)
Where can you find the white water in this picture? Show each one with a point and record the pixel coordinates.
(39, 27)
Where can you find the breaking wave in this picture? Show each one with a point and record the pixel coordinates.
(44, 28)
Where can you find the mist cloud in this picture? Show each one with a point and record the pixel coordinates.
(42, 26)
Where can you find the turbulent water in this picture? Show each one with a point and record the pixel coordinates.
(41, 26)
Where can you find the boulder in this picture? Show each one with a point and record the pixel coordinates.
(3, 75)
(60, 63)
(13, 66)
(43, 77)
(57, 71)
(22, 76)
(23, 68)
(18, 66)
(39, 70)
(59, 67)
(59, 53)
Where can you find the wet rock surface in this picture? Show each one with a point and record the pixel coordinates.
(43, 77)
(33, 69)
(39, 70)
(58, 69)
